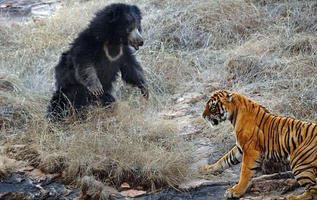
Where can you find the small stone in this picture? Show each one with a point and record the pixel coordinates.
(63, 174)
(26, 169)
(43, 191)
(132, 193)
(41, 10)
(53, 176)
(6, 5)
(37, 175)
(124, 186)
(139, 188)
(197, 99)
(191, 184)
(4, 194)
(180, 99)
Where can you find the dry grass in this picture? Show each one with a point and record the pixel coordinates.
(266, 51)
(8, 165)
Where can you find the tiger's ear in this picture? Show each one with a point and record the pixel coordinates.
(230, 97)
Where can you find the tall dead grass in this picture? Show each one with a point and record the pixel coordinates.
(266, 51)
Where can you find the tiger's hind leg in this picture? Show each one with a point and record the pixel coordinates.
(309, 194)
(304, 168)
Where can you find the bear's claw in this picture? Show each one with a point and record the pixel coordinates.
(96, 89)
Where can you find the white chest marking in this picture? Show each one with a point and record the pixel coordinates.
(112, 59)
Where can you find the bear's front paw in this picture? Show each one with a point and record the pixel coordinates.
(232, 194)
(145, 92)
(96, 89)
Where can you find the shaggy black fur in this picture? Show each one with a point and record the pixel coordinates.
(85, 73)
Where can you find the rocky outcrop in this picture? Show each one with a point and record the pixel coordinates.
(35, 185)
(25, 10)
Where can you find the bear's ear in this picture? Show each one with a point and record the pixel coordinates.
(137, 11)
(112, 16)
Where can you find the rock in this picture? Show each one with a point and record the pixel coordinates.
(139, 188)
(36, 174)
(43, 10)
(124, 186)
(93, 189)
(197, 99)
(43, 191)
(196, 183)
(133, 193)
(191, 184)
(14, 196)
(20, 186)
(263, 198)
(25, 10)
(273, 186)
(204, 192)
(7, 5)
(282, 175)
(7, 166)
(25, 169)
(24, 153)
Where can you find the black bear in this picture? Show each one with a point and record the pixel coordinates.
(85, 73)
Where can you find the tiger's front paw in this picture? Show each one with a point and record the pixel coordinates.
(209, 169)
(204, 168)
(291, 197)
(232, 194)
(305, 195)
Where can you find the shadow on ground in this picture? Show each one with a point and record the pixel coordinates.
(19, 186)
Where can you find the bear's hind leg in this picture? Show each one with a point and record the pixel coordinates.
(59, 107)
(107, 99)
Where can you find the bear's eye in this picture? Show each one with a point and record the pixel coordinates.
(130, 27)
(140, 29)
(129, 30)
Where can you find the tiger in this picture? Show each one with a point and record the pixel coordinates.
(261, 134)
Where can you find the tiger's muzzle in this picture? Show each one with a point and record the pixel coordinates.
(212, 120)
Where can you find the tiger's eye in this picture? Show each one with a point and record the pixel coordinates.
(212, 106)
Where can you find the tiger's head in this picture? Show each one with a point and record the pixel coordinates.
(219, 107)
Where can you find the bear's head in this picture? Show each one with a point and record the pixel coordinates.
(119, 24)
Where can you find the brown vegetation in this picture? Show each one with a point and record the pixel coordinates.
(263, 49)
